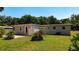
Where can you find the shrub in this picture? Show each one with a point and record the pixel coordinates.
(75, 43)
(2, 32)
(42, 31)
(9, 35)
(37, 36)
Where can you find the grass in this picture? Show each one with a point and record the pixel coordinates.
(50, 43)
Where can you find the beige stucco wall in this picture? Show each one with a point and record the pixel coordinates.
(19, 29)
(49, 29)
(30, 29)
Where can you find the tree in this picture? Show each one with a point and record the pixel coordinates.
(42, 20)
(8, 20)
(1, 9)
(2, 20)
(75, 22)
(77, 19)
(26, 19)
(52, 20)
(65, 21)
(73, 19)
(35, 20)
(15, 21)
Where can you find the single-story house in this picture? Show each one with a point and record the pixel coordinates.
(26, 29)
(29, 29)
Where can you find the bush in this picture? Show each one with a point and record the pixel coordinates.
(9, 35)
(37, 36)
(75, 43)
(2, 32)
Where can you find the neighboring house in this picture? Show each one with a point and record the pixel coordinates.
(7, 27)
(29, 29)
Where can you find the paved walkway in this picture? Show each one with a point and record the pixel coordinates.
(18, 36)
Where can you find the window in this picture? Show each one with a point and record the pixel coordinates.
(54, 27)
(26, 29)
(63, 27)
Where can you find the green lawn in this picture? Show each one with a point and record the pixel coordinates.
(50, 43)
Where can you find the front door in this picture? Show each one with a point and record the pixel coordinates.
(26, 30)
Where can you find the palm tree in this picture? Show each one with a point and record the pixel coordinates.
(1, 9)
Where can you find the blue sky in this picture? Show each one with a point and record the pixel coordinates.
(58, 12)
